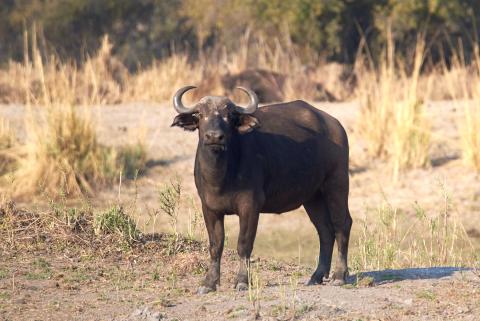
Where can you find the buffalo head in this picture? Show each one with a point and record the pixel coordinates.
(217, 118)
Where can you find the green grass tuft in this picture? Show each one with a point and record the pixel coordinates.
(116, 221)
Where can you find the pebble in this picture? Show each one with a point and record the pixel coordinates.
(145, 314)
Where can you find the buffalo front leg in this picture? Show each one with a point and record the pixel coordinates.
(216, 236)
(246, 238)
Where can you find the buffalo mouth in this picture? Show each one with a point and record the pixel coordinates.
(216, 147)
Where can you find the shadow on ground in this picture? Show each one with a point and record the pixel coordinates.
(439, 161)
(387, 276)
(166, 162)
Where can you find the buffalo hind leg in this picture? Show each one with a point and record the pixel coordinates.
(318, 213)
(336, 198)
(246, 237)
(216, 236)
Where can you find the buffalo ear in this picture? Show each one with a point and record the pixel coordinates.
(186, 121)
(247, 123)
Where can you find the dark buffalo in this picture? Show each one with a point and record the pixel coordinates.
(271, 159)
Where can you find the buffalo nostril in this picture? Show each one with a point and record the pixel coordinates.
(214, 136)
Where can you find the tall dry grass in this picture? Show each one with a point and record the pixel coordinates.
(42, 78)
(470, 131)
(103, 79)
(463, 84)
(62, 155)
(8, 147)
(392, 92)
(392, 122)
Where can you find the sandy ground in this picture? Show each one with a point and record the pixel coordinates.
(438, 294)
(153, 287)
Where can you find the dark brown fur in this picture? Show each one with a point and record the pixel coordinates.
(279, 158)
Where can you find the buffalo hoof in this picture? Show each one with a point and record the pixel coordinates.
(338, 282)
(339, 278)
(204, 290)
(241, 286)
(313, 281)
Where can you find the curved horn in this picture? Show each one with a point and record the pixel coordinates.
(177, 101)
(252, 106)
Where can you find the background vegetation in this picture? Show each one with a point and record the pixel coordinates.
(147, 29)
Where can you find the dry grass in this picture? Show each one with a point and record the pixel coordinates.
(392, 95)
(8, 147)
(463, 83)
(81, 230)
(470, 132)
(393, 238)
(162, 79)
(392, 121)
(61, 155)
(42, 79)
(103, 79)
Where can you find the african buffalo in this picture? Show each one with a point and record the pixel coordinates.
(271, 159)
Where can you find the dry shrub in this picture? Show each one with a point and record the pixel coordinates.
(392, 121)
(25, 230)
(72, 231)
(63, 155)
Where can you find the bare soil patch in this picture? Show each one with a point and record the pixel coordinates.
(70, 272)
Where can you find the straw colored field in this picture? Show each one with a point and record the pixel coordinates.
(392, 92)
(447, 187)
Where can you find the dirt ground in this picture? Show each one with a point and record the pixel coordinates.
(54, 286)
(47, 286)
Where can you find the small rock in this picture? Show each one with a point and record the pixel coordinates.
(408, 301)
(145, 314)
(20, 301)
(137, 313)
(462, 310)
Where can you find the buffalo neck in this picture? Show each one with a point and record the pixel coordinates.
(216, 168)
